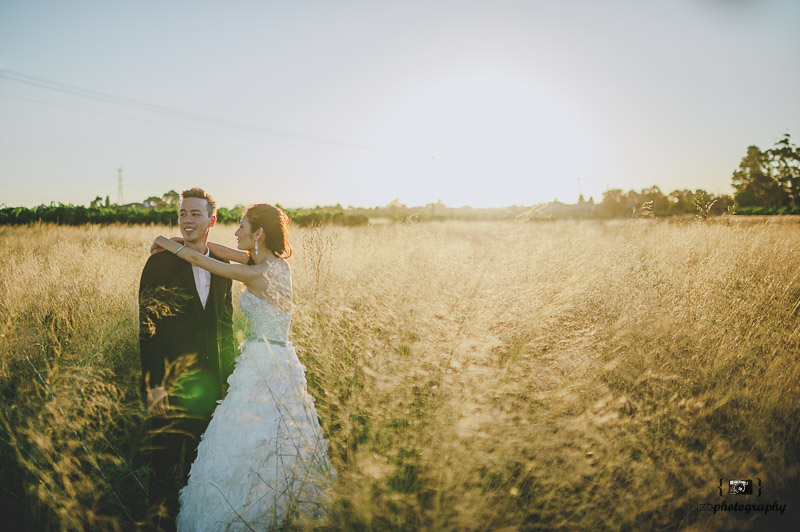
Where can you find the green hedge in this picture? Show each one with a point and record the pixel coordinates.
(756, 210)
(79, 215)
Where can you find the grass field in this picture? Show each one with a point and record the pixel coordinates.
(470, 376)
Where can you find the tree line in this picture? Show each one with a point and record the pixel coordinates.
(160, 211)
(766, 182)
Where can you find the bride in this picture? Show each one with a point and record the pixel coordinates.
(262, 462)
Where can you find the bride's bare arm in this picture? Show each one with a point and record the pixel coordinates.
(155, 248)
(224, 252)
(239, 272)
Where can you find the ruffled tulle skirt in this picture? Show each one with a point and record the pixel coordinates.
(263, 458)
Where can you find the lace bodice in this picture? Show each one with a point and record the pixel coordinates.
(266, 320)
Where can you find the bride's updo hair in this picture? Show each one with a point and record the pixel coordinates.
(275, 224)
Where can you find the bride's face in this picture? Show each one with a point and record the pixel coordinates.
(244, 238)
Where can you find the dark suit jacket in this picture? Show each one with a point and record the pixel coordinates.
(173, 323)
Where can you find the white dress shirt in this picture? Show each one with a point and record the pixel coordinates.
(202, 280)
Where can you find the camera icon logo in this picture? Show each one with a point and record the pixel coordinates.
(740, 487)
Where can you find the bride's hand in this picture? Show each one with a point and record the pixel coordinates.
(155, 248)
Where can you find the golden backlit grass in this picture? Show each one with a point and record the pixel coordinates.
(470, 376)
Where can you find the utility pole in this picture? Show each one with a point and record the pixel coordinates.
(119, 186)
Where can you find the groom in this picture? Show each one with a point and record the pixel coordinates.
(185, 317)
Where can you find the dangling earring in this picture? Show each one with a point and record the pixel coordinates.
(256, 248)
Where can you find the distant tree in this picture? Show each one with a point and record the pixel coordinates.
(633, 203)
(615, 203)
(681, 201)
(396, 210)
(96, 202)
(155, 202)
(724, 205)
(172, 198)
(784, 162)
(230, 216)
(660, 204)
(108, 202)
(754, 182)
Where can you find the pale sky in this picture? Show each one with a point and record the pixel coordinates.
(488, 103)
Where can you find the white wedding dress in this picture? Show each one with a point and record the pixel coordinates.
(263, 458)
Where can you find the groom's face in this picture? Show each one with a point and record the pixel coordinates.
(194, 221)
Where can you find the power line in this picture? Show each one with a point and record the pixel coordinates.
(139, 118)
(159, 109)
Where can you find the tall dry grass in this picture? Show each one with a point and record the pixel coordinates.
(470, 376)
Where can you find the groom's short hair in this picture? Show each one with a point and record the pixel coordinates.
(197, 192)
